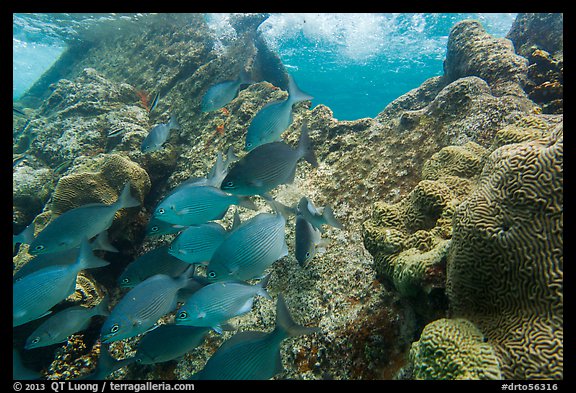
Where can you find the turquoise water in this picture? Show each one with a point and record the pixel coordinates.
(354, 63)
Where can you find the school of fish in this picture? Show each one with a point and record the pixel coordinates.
(165, 280)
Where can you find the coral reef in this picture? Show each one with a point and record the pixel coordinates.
(409, 239)
(98, 179)
(504, 267)
(453, 349)
(381, 279)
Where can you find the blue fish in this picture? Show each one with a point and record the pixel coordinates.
(65, 257)
(250, 355)
(268, 166)
(65, 323)
(143, 306)
(155, 261)
(195, 205)
(249, 249)
(274, 118)
(35, 294)
(158, 135)
(198, 243)
(216, 303)
(68, 229)
(158, 227)
(169, 342)
(222, 93)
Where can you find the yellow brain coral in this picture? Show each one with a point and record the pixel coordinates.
(99, 179)
(453, 349)
(409, 240)
(505, 264)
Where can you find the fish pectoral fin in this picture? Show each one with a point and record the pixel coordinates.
(217, 329)
(201, 314)
(136, 322)
(256, 183)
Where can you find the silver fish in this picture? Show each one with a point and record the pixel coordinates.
(64, 257)
(268, 166)
(249, 249)
(216, 303)
(67, 230)
(316, 217)
(158, 135)
(198, 243)
(35, 294)
(194, 205)
(274, 118)
(143, 306)
(220, 94)
(168, 342)
(306, 239)
(63, 324)
(156, 261)
(251, 354)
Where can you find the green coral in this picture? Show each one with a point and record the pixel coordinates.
(409, 240)
(505, 264)
(453, 349)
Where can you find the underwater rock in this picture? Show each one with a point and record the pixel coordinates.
(505, 264)
(473, 52)
(542, 31)
(453, 349)
(32, 185)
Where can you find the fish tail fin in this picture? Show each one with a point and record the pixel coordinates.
(279, 207)
(102, 242)
(305, 146)
(173, 123)
(246, 202)
(294, 93)
(230, 156)
(286, 325)
(262, 284)
(126, 199)
(328, 215)
(102, 307)
(86, 259)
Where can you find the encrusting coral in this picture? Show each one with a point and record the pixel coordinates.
(409, 240)
(453, 349)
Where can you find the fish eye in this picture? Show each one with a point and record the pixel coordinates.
(307, 255)
(212, 274)
(161, 210)
(126, 281)
(183, 315)
(39, 247)
(36, 340)
(230, 184)
(154, 228)
(114, 328)
(249, 144)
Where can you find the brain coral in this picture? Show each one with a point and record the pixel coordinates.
(409, 240)
(99, 179)
(505, 263)
(453, 349)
